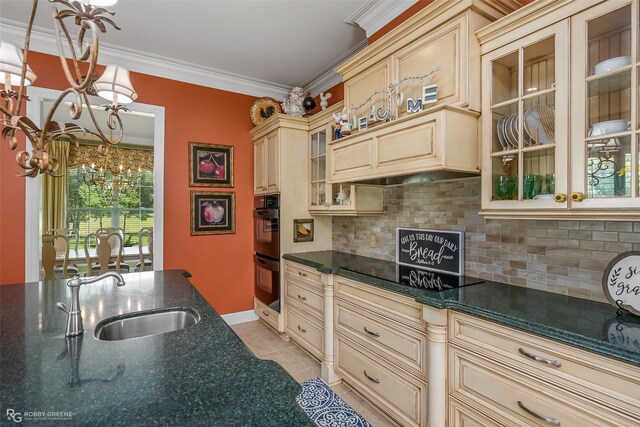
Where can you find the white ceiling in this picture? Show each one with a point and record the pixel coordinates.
(283, 43)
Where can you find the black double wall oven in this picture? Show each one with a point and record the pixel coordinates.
(266, 245)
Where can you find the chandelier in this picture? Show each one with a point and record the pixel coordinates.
(111, 184)
(89, 18)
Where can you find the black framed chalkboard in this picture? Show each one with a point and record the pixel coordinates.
(434, 250)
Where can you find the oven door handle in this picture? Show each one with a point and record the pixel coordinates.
(266, 213)
(266, 263)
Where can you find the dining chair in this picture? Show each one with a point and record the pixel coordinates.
(106, 261)
(55, 247)
(109, 230)
(146, 258)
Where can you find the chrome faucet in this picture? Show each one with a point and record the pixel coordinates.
(74, 318)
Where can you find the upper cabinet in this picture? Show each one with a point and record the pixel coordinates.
(560, 111)
(439, 136)
(338, 199)
(604, 132)
(266, 160)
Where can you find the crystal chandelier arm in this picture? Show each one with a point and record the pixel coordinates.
(25, 53)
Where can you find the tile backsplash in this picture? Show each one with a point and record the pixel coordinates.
(565, 257)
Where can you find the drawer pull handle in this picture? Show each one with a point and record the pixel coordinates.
(375, 334)
(552, 421)
(549, 362)
(302, 298)
(302, 274)
(375, 380)
(302, 330)
(265, 312)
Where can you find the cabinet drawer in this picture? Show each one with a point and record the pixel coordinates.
(399, 395)
(606, 381)
(493, 388)
(461, 415)
(506, 392)
(305, 298)
(303, 273)
(267, 314)
(394, 306)
(399, 344)
(305, 331)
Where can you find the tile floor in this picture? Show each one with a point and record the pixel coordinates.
(267, 344)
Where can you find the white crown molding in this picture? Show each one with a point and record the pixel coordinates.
(328, 77)
(43, 40)
(240, 317)
(375, 14)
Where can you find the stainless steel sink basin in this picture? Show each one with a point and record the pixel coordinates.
(144, 323)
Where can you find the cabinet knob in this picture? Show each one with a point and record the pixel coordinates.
(302, 274)
(265, 312)
(301, 329)
(577, 197)
(560, 198)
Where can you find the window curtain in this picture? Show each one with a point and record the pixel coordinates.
(54, 195)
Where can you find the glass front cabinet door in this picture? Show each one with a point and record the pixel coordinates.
(319, 200)
(605, 114)
(525, 124)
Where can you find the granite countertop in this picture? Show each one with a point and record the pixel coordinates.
(201, 375)
(586, 324)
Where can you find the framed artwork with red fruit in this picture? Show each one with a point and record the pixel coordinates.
(210, 165)
(213, 213)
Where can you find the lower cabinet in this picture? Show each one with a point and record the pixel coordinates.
(515, 378)
(398, 394)
(267, 314)
(304, 307)
(381, 349)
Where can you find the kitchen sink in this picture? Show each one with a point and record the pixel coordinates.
(144, 323)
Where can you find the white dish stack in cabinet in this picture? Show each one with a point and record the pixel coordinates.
(281, 158)
(560, 117)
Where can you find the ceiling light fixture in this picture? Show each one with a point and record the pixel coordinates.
(91, 18)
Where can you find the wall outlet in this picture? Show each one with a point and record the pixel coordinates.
(373, 240)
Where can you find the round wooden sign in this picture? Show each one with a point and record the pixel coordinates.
(621, 281)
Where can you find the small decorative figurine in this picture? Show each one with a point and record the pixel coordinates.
(293, 106)
(343, 197)
(324, 100)
(342, 119)
(308, 103)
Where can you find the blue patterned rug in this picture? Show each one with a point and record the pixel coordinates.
(325, 408)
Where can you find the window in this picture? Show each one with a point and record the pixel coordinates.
(91, 207)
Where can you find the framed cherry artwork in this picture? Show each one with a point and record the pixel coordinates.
(213, 213)
(210, 165)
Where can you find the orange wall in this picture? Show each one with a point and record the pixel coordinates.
(221, 265)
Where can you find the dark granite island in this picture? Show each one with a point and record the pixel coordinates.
(201, 375)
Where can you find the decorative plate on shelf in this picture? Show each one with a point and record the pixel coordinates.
(621, 282)
(263, 108)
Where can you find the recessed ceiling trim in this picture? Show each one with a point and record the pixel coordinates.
(43, 40)
(327, 77)
(374, 15)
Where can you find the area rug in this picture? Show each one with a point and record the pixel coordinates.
(325, 408)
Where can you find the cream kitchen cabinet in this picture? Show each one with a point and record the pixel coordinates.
(442, 34)
(560, 133)
(443, 136)
(516, 378)
(429, 141)
(381, 349)
(326, 198)
(266, 161)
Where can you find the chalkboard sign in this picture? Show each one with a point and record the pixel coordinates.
(433, 250)
(621, 282)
